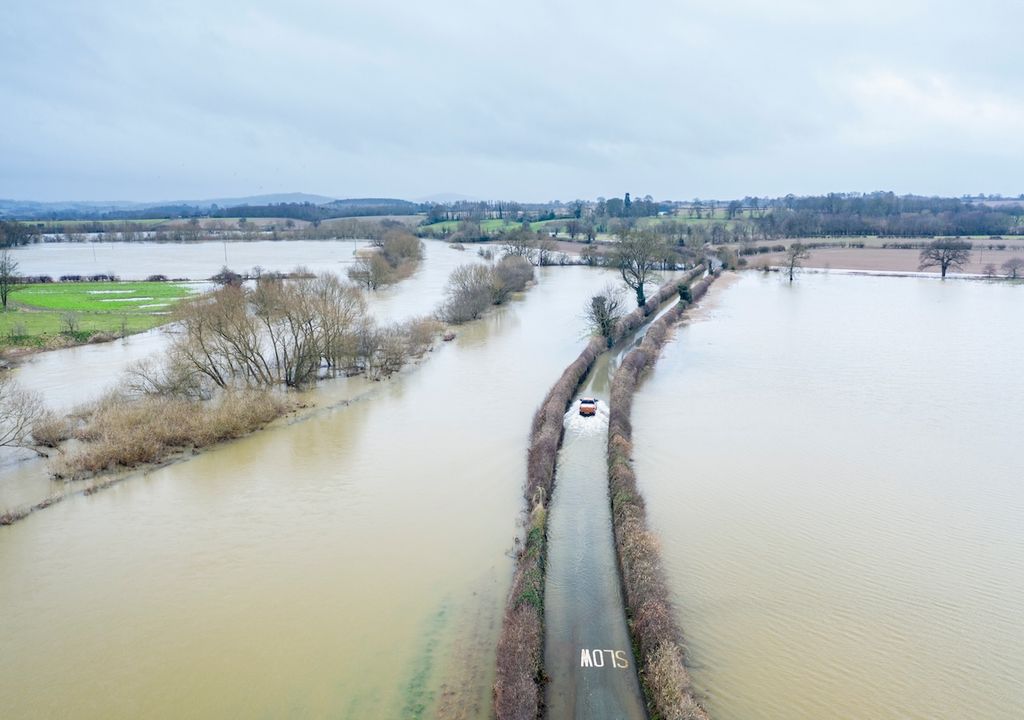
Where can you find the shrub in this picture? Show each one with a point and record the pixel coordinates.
(468, 294)
(50, 430)
(511, 274)
(121, 432)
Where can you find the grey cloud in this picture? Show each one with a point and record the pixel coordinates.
(534, 100)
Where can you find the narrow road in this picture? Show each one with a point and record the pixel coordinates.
(587, 647)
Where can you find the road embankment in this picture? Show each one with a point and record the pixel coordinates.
(655, 633)
(520, 677)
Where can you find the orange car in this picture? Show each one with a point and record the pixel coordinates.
(588, 406)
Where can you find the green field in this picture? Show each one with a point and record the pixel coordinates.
(73, 312)
(101, 297)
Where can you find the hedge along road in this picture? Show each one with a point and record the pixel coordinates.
(587, 655)
(587, 650)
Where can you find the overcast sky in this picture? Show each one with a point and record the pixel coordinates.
(530, 100)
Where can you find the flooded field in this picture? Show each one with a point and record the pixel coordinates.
(834, 470)
(351, 565)
(75, 375)
(67, 378)
(192, 261)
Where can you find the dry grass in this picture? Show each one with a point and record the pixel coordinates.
(656, 635)
(50, 429)
(119, 432)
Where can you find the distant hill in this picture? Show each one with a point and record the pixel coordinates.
(447, 197)
(277, 199)
(96, 209)
(371, 203)
(35, 209)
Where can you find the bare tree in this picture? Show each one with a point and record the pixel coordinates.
(637, 254)
(371, 271)
(468, 294)
(604, 312)
(509, 275)
(9, 276)
(546, 252)
(945, 254)
(1013, 267)
(522, 242)
(796, 253)
(19, 410)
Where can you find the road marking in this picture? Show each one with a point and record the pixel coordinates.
(596, 658)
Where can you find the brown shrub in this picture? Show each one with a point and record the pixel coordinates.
(50, 429)
(656, 635)
(518, 692)
(119, 432)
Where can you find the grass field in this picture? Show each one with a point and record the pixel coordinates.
(69, 313)
(103, 297)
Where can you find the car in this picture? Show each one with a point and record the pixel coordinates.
(588, 407)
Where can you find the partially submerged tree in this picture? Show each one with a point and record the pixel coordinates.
(472, 289)
(604, 311)
(521, 242)
(795, 254)
(1013, 267)
(468, 294)
(371, 271)
(510, 275)
(637, 254)
(19, 410)
(227, 276)
(945, 254)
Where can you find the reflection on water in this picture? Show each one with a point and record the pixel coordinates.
(834, 467)
(354, 564)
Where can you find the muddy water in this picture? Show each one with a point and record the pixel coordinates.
(834, 469)
(587, 648)
(76, 375)
(351, 565)
(70, 377)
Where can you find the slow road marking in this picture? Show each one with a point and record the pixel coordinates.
(604, 658)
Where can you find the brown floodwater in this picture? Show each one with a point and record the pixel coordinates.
(73, 376)
(834, 469)
(353, 564)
